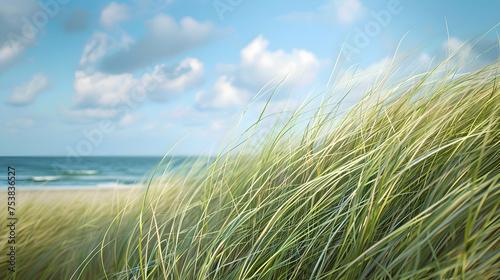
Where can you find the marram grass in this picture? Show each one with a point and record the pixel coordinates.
(403, 185)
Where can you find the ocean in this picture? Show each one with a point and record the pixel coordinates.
(81, 173)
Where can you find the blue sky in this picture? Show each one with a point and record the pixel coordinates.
(136, 77)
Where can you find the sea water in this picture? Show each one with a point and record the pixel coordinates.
(83, 172)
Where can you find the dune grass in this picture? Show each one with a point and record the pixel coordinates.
(403, 185)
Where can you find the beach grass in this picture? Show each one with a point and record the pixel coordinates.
(402, 185)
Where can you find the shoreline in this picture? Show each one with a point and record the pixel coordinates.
(79, 187)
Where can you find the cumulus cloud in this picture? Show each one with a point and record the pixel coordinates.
(113, 14)
(26, 94)
(99, 94)
(258, 66)
(165, 38)
(175, 79)
(102, 89)
(97, 46)
(223, 95)
(99, 89)
(77, 20)
(345, 11)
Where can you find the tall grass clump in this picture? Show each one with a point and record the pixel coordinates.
(402, 185)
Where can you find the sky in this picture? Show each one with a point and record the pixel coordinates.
(137, 77)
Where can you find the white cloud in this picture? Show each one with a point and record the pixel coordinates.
(348, 10)
(223, 95)
(113, 14)
(345, 11)
(165, 38)
(8, 56)
(467, 56)
(258, 67)
(177, 79)
(98, 94)
(95, 48)
(26, 94)
(99, 89)
(455, 45)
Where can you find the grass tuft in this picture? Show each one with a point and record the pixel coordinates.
(402, 185)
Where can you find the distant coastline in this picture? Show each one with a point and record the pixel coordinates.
(96, 172)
